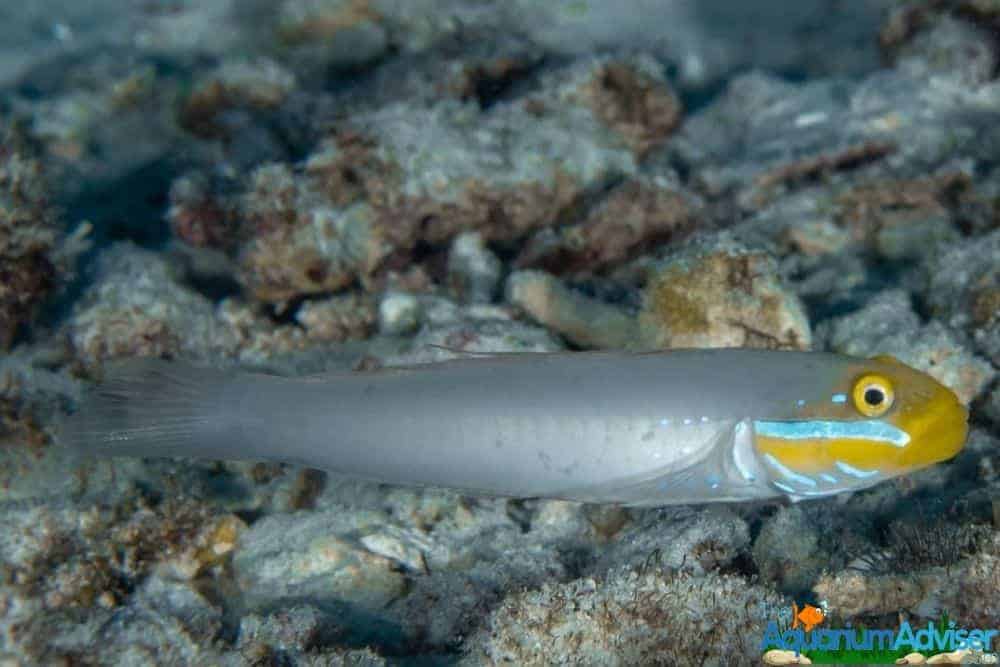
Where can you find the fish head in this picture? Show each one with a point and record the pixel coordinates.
(866, 421)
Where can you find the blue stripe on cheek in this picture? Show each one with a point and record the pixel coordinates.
(788, 473)
(872, 429)
(839, 398)
(855, 472)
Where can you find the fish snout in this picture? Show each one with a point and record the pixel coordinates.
(938, 432)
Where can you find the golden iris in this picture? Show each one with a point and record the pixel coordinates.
(873, 395)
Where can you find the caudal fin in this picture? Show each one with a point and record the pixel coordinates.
(146, 408)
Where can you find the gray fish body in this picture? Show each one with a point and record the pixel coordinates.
(579, 426)
(651, 429)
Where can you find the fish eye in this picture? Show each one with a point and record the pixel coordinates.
(873, 395)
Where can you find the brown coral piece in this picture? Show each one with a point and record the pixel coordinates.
(864, 209)
(499, 214)
(986, 306)
(27, 236)
(641, 109)
(298, 249)
(197, 215)
(17, 423)
(24, 281)
(812, 168)
(257, 85)
(633, 218)
(346, 169)
(324, 24)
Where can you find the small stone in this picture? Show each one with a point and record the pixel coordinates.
(405, 547)
(473, 269)
(398, 314)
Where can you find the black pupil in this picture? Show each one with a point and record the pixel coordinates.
(874, 396)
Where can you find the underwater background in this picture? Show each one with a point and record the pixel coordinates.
(298, 186)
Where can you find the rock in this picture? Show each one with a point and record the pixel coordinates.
(717, 293)
(136, 308)
(398, 314)
(316, 559)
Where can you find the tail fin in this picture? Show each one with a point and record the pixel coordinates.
(146, 408)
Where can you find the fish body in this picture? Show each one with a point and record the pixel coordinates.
(680, 426)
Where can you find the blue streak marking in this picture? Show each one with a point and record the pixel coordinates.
(839, 398)
(788, 473)
(817, 494)
(826, 477)
(855, 472)
(804, 430)
(784, 487)
(801, 402)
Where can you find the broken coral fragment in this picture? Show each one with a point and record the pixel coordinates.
(635, 101)
(300, 244)
(583, 320)
(633, 218)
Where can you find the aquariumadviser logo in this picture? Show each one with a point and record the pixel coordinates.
(809, 616)
(822, 644)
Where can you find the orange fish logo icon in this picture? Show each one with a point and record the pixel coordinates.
(809, 616)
